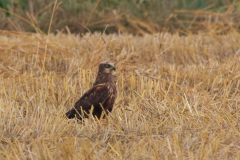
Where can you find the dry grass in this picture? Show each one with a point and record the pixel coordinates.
(178, 97)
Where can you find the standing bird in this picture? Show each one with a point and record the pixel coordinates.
(101, 96)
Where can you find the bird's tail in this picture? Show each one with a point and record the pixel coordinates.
(71, 114)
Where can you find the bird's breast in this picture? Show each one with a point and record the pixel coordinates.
(112, 89)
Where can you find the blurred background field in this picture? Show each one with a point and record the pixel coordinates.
(135, 16)
(178, 96)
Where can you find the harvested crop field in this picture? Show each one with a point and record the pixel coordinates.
(178, 96)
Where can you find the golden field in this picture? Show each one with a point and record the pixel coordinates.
(178, 96)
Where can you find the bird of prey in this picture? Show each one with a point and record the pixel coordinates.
(101, 96)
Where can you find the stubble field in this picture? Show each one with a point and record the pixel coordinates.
(178, 96)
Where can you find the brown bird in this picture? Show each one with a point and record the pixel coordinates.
(101, 95)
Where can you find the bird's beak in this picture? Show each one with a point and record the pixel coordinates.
(113, 68)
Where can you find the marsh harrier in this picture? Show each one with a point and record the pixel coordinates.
(101, 96)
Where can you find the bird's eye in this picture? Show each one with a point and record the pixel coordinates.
(107, 65)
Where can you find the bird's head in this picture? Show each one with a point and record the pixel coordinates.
(106, 67)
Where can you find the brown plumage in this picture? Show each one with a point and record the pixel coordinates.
(103, 92)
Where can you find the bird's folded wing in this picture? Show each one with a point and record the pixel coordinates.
(97, 94)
